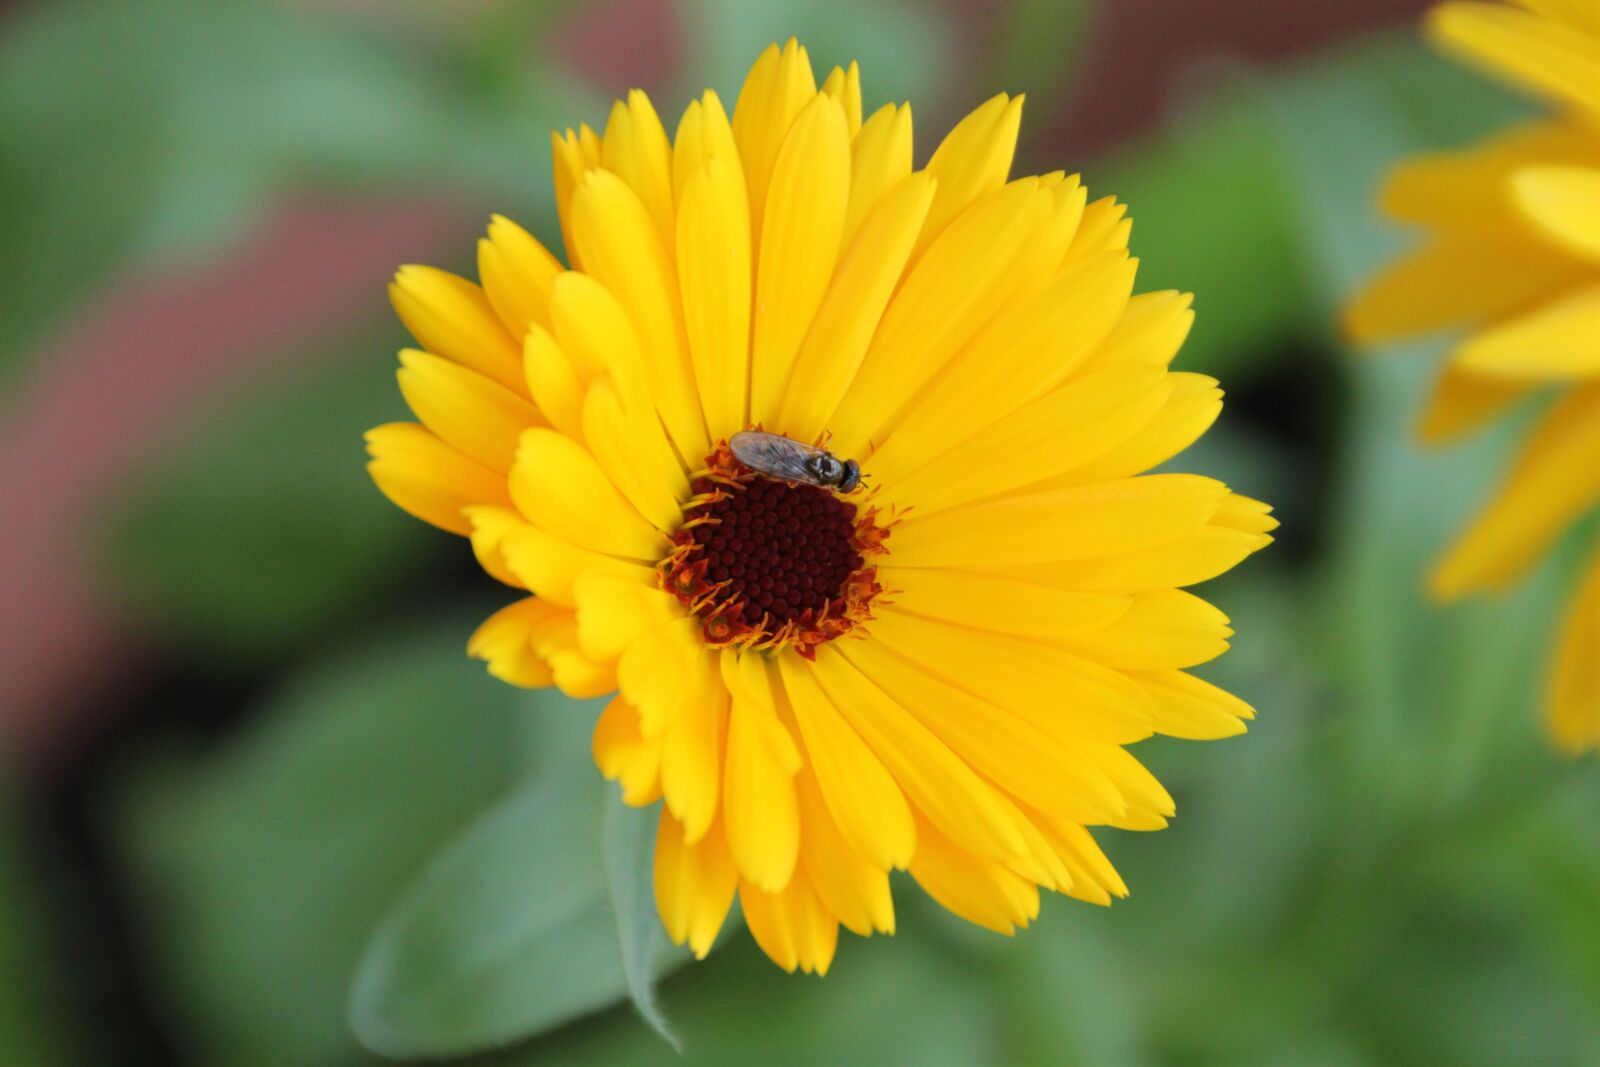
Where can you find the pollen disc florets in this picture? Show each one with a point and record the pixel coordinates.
(766, 563)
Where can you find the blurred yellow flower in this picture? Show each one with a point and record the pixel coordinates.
(1513, 255)
(936, 672)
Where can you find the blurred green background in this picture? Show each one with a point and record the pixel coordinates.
(239, 718)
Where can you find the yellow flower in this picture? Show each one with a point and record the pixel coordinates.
(936, 672)
(1513, 255)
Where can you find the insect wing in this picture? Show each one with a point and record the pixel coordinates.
(776, 456)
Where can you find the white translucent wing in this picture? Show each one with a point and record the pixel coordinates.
(773, 455)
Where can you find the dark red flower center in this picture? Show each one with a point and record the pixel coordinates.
(783, 549)
(768, 562)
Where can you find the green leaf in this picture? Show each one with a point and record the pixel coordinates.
(905, 999)
(508, 932)
(259, 526)
(261, 869)
(627, 842)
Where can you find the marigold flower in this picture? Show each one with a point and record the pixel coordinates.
(1512, 254)
(937, 671)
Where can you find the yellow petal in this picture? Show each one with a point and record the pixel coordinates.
(553, 381)
(505, 641)
(1554, 61)
(779, 86)
(1164, 630)
(1554, 481)
(1575, 691)
(972, 160)
(844, 86)
(633, 450)
(980, 891)
(690, 153)
(861, 795)
(1033, 764)
(935, 780)
(705, 134)
(1185, 706)
(1468, 276)
(751, 678)
(490, 526)
(1197, 556)
(560, 488)
(691, 749)
(1447, 188)
(556, 640)
(1093, 878)
(468, 411)
(1083, 522)
(1462, 401)
(1192, 406)
(1580, 14)
(450, 317)
(624, 756)
(694, 885)
(427, 478)
(1040, 264)
(791, 926)
(1040, 864)
(624, 251)
(1239, 512)
(1135, 781)
(852, 889)
(635, 148)
(1150, 332)
(550, 566)
(850, 312)
(1564, 202)
(1063, 694)
(1472, 186)
(1070, 878)
(714, 277)
(799, 244)
(948, 295)
(1557, 341)
(1014, 361)
(1060, 432)
(760, 805)
(658, 670)
(1004, 605)
(517, 272)
(596, 336)
(572, 156)
(880, 160)
(615, 609)
(1105, 228)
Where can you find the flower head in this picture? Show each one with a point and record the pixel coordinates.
(1512, 255)
(935, 670)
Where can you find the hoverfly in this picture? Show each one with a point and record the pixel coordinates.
(782, 457)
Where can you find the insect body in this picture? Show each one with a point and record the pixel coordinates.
(781, 457)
